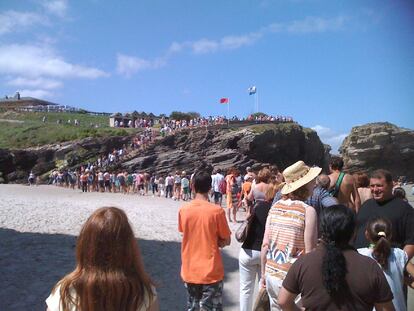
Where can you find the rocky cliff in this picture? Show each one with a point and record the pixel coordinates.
(220, 147)
(280, 144)
(380, 145)
(16, 164)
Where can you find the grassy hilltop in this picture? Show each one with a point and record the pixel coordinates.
(26, 129)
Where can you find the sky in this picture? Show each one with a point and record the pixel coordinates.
(329, 64)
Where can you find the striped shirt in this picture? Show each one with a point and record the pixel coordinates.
(285, 228)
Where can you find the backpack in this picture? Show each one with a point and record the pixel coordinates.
(335, 190)
(223, 186)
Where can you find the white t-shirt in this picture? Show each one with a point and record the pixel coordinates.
(394, 275)
(215, 182)
(53, 301)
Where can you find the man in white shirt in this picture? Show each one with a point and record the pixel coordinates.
(216, 180)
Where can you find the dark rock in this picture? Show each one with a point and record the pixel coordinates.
(280, 144)
(16, 164)
(218, 147)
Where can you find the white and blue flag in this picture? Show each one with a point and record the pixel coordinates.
(251, 90)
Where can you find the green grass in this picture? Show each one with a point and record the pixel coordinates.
(283, 127)
(33, 132)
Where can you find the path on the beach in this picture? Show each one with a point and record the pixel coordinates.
(38, 229)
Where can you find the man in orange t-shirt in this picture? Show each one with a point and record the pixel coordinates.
(204, 229)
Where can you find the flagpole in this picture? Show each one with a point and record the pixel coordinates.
(257, 99)
(228, 113)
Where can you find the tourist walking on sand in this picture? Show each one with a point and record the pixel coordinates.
(232, 190)
(320, 198)
(154, 184)
(204, 230)
(216, 180)
(185, 187)
(343, 186)
(147, 178)
(249, 174)
(249, 256)
(84, 180)
(259, 188)
(169, 183)
(32, 179)
(101, 181)
(161, 185)
(109, 272)
(391, 260)
(122, 182)
(177, 186)
(385, 205)
(246, 188)
(107, 181)
(334, 276)
(290, 228)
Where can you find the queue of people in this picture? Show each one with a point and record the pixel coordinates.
(313, 241)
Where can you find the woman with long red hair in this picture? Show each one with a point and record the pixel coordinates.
(109, 273)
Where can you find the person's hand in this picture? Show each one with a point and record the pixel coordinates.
(263, 282)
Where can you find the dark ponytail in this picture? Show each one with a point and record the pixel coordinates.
(379, 233)
(337, 225)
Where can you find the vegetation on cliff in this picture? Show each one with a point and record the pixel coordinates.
(27, 129)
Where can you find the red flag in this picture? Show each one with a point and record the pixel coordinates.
(224, 100)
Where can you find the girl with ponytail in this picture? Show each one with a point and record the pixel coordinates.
(334, 276)
(392, 260)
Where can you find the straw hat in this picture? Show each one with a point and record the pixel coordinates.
(298, 175)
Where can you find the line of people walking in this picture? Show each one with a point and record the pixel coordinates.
(309, 244)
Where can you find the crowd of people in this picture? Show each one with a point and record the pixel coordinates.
(313, 241)
(173, 124)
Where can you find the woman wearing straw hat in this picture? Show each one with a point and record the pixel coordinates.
(291, 228)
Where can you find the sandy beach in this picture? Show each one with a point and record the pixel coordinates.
(38, 229)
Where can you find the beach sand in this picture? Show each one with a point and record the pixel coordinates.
(38, 229)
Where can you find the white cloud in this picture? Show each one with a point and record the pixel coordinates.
(36, 82)
(204, 46)
(34, 61)
(330, 137)
(316, 24)
(235, 42)
(309, 24)
(321, 130)
(175, 47)
(41, 94)
(12, 20)
(56, 7)
(128, 65)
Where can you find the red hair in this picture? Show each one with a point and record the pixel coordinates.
(109, 273)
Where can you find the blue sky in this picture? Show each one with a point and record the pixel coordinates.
(331, 65)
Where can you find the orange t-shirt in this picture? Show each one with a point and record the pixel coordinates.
(202, 224)
(247, 186)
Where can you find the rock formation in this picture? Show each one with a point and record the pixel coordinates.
(219, 147)
(380, 145)
(280, 144)
(16, 164)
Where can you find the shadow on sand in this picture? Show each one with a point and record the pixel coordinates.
(31, 264)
